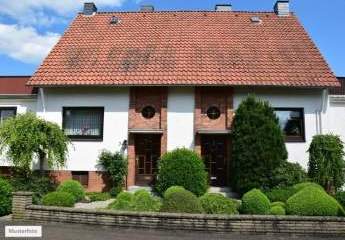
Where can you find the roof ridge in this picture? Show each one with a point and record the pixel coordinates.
(185, 11)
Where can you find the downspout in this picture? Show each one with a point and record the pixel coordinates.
(43, 100)
(323, 108)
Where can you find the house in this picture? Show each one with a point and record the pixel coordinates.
(151, 81)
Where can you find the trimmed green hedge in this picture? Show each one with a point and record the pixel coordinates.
(300, 186)
(98, 196)
(182, 167)
(5, 197)
(255, 202)
(277, 210)
(59, 199)
(73, 187)
(181, 201)
(281, 204)
(312, 201)
(281, 194)
(122, 202)
(216, 203)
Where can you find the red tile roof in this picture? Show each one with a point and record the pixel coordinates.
(185, 48)
(16, 85)
(339, 90)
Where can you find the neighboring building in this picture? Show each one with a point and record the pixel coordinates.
(150, 82)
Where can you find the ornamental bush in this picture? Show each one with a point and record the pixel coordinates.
(73, 187)
(258, 146)
(281, 194)
(182, 167)
(171, 190)
(300, 186)
(181, 201)
(288, 174)
(281, 204)
(98, 196)
(5, 197)
(340, 196)
(277, 210)
(59, 199)
(143, 201)
(216, 203)
(255, 202)
(312, 201)
(326, 162)
(123, 202)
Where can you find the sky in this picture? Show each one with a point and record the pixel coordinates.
(30, 28)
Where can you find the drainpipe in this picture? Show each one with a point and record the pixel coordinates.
(43, 100)
(323, 109)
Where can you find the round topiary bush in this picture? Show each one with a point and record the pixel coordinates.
(182, 167)
(5, 197)
(73, 187)
(277, 210)
(300, 186)
(143, 201)
(181, 201)
(281, 204)
(216, 203)
(280, 194)
(60, 199)
(311, 201)
(255, 202)
(172, 190)
(124, 202)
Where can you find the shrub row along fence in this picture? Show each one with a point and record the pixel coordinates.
(24, 210)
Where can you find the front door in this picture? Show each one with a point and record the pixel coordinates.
(147, 153)
(214, 154)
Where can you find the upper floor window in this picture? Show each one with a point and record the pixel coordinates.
(148, 112)
(213, 113)
(291, 121)
(7, 112)
(83, 122)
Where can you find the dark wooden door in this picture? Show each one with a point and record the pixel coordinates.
(214, 154)
(147, 153)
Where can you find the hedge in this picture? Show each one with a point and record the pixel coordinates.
(255, 202)
(216, 203)
(59, 199)
(73, 187)
(181, 201)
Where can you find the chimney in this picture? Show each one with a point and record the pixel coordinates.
(223, 8)
(147, 8)
(281, 8)
(89, 9)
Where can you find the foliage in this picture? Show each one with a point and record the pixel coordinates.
(98, 196)
(277, 210)
(27, 136)
(182, 167)
(115, 190)
(181, 201)
(216, 203)
(281, 204)
(116, 166)
(140, 201)
(143, 201)
(33, 182)
(326, 162)
(300, 186)
(5, 197)
(288, 174)
(73, 187)
(312, 201)
(60, 199)
(255, 202)
(258, 146)
(171, 190)
(281, 194)
(340, 196)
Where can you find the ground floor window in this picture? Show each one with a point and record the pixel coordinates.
(291, 121)
(83, 122)
(7, 112)
(81, 176)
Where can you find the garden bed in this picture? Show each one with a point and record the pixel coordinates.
(24, 210)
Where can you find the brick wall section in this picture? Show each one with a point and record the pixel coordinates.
(189, 222)
(205, 97)
(98, 181)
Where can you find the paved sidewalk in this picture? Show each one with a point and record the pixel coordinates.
(59, 231)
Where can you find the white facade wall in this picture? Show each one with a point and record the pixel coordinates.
(83, 155)
(180, 118)
(23, 105)
(310, 100)
(335, 119)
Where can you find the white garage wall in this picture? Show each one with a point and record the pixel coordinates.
(83, 156)
(180, 118)
(309, 99)
(335, 119)
(23, 106)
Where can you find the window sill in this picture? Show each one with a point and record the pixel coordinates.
(85, 139)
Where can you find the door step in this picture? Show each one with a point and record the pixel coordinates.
(133, 189)
(225, 191)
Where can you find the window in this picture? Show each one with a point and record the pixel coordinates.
(148, 112)
(7, 112)
(213, 113)
(81, 176)
(85, 123)
(291, 121)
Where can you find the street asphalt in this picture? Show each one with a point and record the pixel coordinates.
(63, 231)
